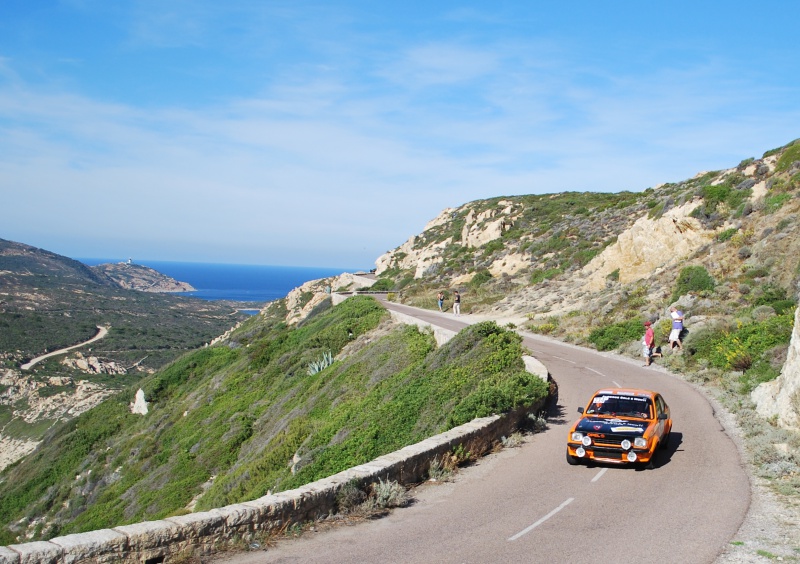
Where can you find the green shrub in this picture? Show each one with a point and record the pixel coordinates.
(723, 236)
(774, 203)
(789, 156)
(382, 285)
(741, 348)
(613, 336)
(540, 275)
(480, 278)
(782, 307)
(692, 279)
(543, 329)
(758, 373)
(492, 247)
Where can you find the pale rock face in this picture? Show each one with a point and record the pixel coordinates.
(510, 264)
(418, 259)
(139, 405)
(440, 219)
(320, 290)
(474, 236)
(479, 229)
(12, 450)
(759, 190)
(20, 389)
(93, 365)
(648, 246)
(384, 262)
(781, 397)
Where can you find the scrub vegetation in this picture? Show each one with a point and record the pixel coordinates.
(231, 422)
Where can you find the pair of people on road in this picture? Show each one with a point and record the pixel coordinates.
(456, 302)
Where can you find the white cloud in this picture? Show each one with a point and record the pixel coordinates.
(353, 141)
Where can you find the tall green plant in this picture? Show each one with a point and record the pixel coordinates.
(693, 279)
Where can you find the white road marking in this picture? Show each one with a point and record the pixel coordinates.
(599, 474)
(615, 384)
(564, 359)
(542, 520)
(595, 371)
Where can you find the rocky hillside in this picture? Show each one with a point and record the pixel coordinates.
(589, 268)
(141, 278)
(586, 268)
(49, 302)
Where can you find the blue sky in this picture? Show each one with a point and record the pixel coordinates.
(326, 133)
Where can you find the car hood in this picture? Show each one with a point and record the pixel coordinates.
(611, 425)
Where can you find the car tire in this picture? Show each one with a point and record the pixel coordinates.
(649, 465)
(572, 460)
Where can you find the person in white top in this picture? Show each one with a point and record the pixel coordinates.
(677, 328)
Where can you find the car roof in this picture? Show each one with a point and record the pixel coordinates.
(626, 392)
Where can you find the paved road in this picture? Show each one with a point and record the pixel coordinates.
(101, 332)
(528, 505)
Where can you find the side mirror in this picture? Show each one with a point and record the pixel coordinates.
(662, 416)
(580, 410)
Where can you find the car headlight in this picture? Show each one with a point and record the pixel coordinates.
(577, 437)
(631, 456)
(626, 444)
(587, 440)
(640, 442)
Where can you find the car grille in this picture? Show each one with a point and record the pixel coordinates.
(610, 440)
(607, 452)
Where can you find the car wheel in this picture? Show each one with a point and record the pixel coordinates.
(649, 465)
(572, 460)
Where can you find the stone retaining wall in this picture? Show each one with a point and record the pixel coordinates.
(233, 525)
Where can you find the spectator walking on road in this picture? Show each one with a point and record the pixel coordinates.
(677, 328)
(440, 300)
(456, 302)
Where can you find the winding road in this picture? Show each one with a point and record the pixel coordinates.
(527, 505)
(101, 332)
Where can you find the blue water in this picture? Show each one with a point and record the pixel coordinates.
(238, 282)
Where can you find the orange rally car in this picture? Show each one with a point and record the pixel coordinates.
(621, 426)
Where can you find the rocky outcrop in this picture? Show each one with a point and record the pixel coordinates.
(480, 227)
(23, 395)
(93, 365)
(142, 278)
(12, 449)
(407, 256)
(488, 225)
(301, 301)
(647, 247)
(780, 398)
(139, 405)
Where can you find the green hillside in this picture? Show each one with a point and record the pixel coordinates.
(230, 422)
(49, 301)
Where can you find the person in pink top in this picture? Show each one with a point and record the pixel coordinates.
(649, 344)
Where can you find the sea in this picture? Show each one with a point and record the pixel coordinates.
(237, 282)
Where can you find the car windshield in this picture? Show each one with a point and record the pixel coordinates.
(621, 406)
